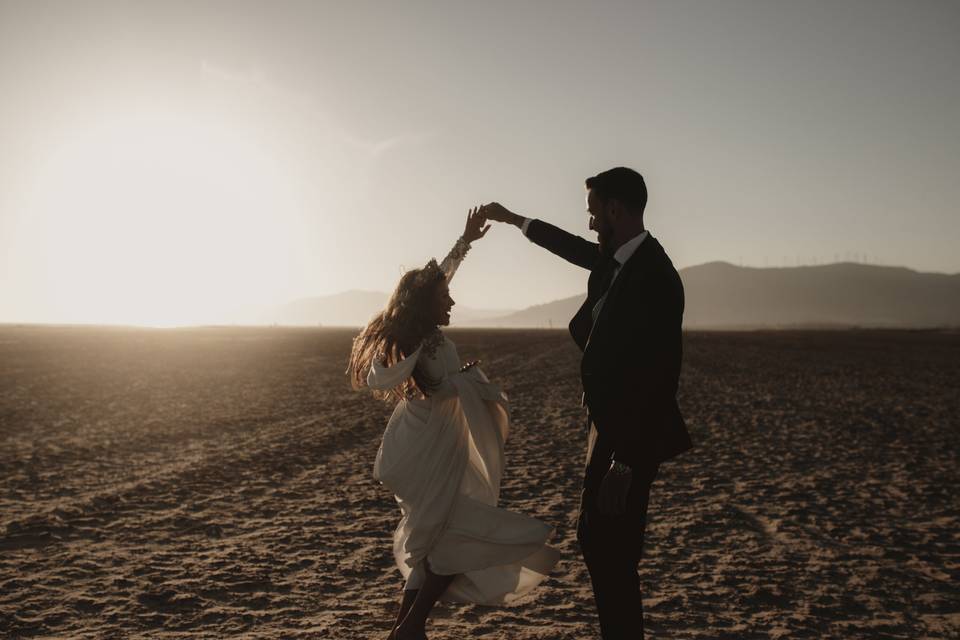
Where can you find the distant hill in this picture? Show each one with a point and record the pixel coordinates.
(354, 309)
(718, 295)
(722, 295)
(554, 315)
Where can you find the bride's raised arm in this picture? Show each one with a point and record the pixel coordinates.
(474, 230)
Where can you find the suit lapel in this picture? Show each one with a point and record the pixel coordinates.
(639, 257)
(582, 322)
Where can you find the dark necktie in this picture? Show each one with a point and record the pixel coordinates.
(606, 279)
(610, 269)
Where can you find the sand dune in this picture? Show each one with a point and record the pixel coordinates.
(217, 483)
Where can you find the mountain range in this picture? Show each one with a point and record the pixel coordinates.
(354, 309)
(719, 295)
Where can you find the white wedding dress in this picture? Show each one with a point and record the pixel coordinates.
(442, 457)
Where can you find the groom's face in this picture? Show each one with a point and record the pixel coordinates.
(600, 221)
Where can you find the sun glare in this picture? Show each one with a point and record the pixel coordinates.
(162, 221)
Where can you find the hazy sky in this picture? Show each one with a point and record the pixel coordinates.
(167, 162)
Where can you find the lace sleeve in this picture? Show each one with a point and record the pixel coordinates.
(454, 258)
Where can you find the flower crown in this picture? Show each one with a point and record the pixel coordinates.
(430, 273)
(405, 296)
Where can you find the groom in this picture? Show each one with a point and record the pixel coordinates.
(629, 331)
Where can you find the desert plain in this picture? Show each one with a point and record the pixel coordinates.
(217, 483)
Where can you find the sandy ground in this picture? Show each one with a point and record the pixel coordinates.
(212, 483)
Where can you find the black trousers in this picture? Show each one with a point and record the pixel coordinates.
(612, 546)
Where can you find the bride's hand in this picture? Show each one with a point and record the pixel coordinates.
(474, 230)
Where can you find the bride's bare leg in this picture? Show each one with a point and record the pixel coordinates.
(414, 624)
(409, 596)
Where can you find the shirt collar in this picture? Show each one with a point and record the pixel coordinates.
(627, 249)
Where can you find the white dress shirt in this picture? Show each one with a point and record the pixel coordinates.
(620, 257)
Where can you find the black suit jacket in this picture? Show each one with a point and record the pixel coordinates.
(630, 367)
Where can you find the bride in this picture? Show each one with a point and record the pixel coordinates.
(442, 454)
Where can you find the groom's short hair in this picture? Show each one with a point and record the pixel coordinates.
(626, 185)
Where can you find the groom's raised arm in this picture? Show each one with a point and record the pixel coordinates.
(571, 248)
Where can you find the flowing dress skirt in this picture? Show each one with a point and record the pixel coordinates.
(442, 457)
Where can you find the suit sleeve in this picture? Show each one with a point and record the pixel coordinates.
(571, 248)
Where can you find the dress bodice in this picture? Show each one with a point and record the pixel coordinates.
(441, 363)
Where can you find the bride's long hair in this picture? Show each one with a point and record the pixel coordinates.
(398, 331)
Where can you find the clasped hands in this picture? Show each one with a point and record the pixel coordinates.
(477, 217)
(499, 213)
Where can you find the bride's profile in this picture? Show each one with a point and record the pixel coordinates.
(442, 454)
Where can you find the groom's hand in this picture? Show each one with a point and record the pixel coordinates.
(614, 489)
(498, 212)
